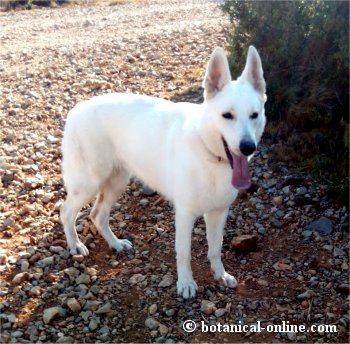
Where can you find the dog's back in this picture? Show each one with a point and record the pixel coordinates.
(114, 131)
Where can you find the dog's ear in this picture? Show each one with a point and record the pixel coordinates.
(217, 74)
(253, 71)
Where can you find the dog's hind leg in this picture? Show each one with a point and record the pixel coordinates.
(109, 193)
(215, 222)
(78, 194)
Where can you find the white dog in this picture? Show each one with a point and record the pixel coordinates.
(195, 155)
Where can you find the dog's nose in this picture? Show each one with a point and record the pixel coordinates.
(247, 147)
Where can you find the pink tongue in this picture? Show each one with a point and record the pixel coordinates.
(241, 176)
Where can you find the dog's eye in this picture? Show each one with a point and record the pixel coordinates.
(254, 115)
(227, 115)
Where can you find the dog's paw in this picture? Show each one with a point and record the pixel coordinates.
(120, 245)
(186, 289)
(228, 280)
(78, 248)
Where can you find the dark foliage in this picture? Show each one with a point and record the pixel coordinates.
(305, 51)
(28, 4)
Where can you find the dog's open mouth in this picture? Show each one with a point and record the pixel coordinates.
(241, 176)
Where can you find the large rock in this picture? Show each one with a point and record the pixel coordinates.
(323, 226)
(245, 243)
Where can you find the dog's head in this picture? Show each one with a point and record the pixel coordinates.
(236, 110)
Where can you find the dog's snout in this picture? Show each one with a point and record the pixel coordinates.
(247, 147)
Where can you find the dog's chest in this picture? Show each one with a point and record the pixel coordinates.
(209, 188)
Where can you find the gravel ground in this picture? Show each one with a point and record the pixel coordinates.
(285, 241)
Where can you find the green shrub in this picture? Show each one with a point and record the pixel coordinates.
(304, 48)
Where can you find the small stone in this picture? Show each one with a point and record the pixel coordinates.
(328, 248)
(292, 336)
(52, 278)
(323, 226)
(163, 330)
(87, 23)
(47, 197)
(35, 291)
(245, 243)
(20, 277)
(263, 282)
(147, 191)
(278, 200)
(65, 339)
(301, 191)
(53, 312)
(305, 304)
(122, 225)
(199, 231)
(114, 263)
(11, 318)
(167, 281)
(282, 267)
(276, 223)
(24, 265)
(104, 330)
(85, 315)
(130, 58)
(31, 331)
(307, 234)
(151, 323)
(56, 249)
(208, 307)
(42, 263)
(343, 289)
(74, 305)
(3, 259)
(338, 252)
(306, 295)
(104, 309)
(170, 312)
(83, 279)
(144, 202)
(279, 214)
(17, 334)
(220, 312)
(92, 305)
(8, 223)
(51, 139)
(137, 278)
(153, 309)
(93, 325)
(78, 258)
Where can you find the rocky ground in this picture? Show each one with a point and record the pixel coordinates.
(285, 241)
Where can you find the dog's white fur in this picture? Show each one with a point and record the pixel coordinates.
(175, 148)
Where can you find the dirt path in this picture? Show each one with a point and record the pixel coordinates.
(51, 59)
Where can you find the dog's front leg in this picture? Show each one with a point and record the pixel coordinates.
(186, 286)
(215, 222)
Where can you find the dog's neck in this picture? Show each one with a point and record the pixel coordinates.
(213, 157)
(214, 148)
